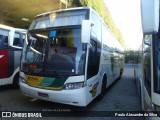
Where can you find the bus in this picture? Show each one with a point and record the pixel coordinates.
(147, 62)
(69, 56)
(11, 42)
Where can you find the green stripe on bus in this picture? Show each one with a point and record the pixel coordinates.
(53, 82)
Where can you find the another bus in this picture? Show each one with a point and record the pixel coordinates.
(70, 56)
(11, 41)
(147, 64)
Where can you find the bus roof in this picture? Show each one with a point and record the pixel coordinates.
(12, 28)
(69, 9)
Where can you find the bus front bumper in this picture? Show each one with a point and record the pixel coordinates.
(76, 97)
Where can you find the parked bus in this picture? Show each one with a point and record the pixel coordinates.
(70, 56)
(11, 41)
(147, 64)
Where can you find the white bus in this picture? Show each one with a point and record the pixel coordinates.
(147, 67)
(69, 56)
(11, 41)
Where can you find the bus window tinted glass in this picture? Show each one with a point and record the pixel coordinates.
(96, 28)
(3, 38)
(147, 64)
(17, 40)
(23, 37)
(57, 52)
(156, 60)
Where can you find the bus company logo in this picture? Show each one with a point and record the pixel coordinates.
(6, 114)
(32, 78)
(1, 56)
(94, 89)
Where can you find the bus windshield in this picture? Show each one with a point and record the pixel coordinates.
(54, 52)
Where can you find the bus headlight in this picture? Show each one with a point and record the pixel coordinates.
(21, 79)
(157, 110)
(77, 85)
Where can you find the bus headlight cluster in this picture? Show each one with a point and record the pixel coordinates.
(21, 79)
(77, 85)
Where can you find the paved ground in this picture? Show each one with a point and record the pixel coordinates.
(121, 96)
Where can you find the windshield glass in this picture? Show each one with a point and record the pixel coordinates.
(54, 52)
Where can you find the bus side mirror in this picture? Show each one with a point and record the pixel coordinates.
(147, 40)
(85, 31)
(150, 16)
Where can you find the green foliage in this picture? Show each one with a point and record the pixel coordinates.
(137, 57)
(103, 11)
(74, 3)
(131, 56)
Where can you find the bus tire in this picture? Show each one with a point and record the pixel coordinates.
(121, 72)
(103, 89)
(16, 81)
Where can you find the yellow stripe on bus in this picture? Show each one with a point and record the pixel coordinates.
(34, 80)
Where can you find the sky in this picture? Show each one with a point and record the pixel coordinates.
(126, 15)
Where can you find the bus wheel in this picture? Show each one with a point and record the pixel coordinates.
(16, 81)
(103, 89)
(120, 75)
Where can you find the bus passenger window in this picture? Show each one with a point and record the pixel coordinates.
(4, 38)
(147, 64)
(23, 38)
(156, 62)
(17, 39)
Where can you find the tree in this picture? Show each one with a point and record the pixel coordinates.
(129, 56)
(103, 11)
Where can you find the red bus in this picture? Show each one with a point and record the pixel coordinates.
(11, 40)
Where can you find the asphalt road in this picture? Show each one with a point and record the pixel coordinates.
(121, 96)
